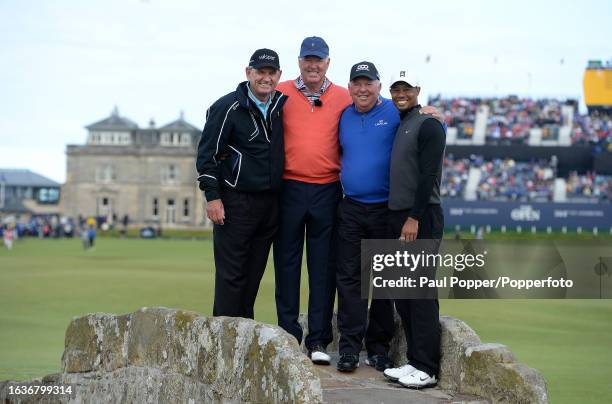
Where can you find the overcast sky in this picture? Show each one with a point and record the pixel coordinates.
(65, 64)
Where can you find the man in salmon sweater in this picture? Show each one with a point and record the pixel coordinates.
(309, 198)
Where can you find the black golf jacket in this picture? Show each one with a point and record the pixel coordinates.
(241, 149)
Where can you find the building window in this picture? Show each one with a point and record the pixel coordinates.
(104, 206)
(169, 173)
(185, 139)
(110, 138)
(155, 212)
(186, 208)
(170, 211)
(125, 139)
(169, 139)
(175, 139)
(105, 174)
(48, 195)
(101, 138)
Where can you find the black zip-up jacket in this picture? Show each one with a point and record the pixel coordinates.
(252, 145)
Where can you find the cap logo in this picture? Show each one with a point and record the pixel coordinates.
(403, 73)
(362, 67)
(268, 57)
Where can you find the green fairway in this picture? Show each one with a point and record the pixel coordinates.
(45, 283)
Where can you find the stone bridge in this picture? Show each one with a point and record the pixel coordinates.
(161, 355)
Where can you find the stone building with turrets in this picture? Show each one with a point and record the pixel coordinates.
(145, 173)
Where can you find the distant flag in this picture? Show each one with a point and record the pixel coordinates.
(427, 58)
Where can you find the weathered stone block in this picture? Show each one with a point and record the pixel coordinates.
(156, 354)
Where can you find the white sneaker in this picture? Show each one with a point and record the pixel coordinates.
(394, 374)
(418, 379)
(319, 356)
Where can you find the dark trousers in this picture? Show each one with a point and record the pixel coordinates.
(241, 247)
(357, 221)
(310, 210)
(420, 317)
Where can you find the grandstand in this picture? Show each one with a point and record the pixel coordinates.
(513, 120)
(516, 162)
(496, 179)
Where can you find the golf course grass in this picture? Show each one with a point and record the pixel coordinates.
(45, 283)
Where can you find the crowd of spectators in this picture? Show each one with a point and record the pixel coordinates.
(455, 174)
(456, 110)
(41, 227)
(459, 113)
(506, 179)
(511, 118)
(594, 129)
(509, 180)
(500, 179)
(589, 187)
(53, 226)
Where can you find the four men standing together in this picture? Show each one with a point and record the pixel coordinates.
(274, 163)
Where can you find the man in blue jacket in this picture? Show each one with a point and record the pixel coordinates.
(367, 130)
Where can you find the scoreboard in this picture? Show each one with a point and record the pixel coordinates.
(597, 85)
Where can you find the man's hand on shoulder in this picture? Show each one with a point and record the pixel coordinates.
(410, 230)
(215, 211)
(433, 111)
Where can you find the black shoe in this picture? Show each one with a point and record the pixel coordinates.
(318, 355)
(348, 362)
(379, 362)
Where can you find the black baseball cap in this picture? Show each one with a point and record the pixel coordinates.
(264, 58)
(364, 69)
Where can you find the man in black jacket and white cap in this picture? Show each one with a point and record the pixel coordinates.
(240, 163)
(416, 213)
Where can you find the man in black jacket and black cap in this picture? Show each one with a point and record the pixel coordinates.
(240, 163)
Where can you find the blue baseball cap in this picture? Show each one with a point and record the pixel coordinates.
(314, 46)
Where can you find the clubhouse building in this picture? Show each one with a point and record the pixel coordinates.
(147, 174)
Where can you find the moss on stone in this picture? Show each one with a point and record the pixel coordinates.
(80, 347)
(207, 366)
(183, 320)
(228, 342)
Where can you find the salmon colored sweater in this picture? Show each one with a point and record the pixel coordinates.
(312, 151)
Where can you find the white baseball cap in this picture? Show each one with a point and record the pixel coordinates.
(407, 76)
